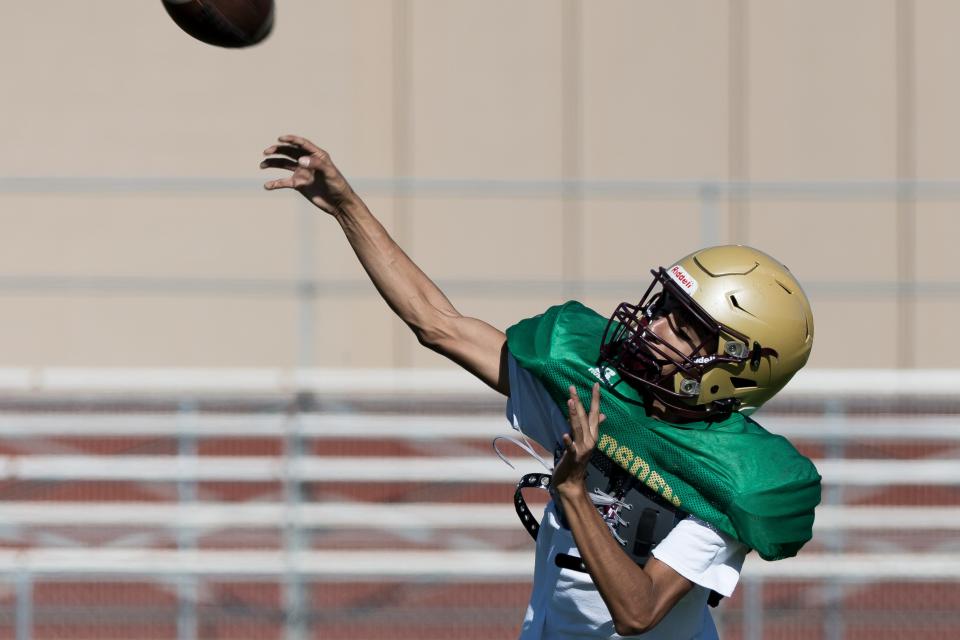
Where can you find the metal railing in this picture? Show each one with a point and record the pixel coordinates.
(191, 420)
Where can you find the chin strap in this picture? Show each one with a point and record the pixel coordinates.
(720, 409)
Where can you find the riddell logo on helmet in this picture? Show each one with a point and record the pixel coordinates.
(684, 279)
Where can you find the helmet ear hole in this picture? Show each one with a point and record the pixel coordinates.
(714, 388)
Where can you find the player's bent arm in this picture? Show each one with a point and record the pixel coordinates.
(473, 344)
(638, 598)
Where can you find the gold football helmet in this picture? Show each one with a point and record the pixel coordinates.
(753, 326)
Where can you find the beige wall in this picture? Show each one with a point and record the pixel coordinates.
(643, 100)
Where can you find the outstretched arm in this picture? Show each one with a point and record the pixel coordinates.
(473, 344)
(638, 598)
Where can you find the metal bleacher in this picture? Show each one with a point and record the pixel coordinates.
(333, 504)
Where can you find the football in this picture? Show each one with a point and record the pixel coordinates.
(224, 23)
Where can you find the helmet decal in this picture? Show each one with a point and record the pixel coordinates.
(687, 282)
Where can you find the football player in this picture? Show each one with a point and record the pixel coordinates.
(662, 483)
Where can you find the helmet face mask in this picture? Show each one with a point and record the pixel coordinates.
(745, 324)
(649, 361)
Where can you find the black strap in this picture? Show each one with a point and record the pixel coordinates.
(644, 541)
(567, 561)
(529, 481)
(541, 481)
(714, 598)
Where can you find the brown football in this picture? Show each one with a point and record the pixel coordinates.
(224, 23)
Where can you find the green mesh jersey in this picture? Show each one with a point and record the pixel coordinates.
(749, 483)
